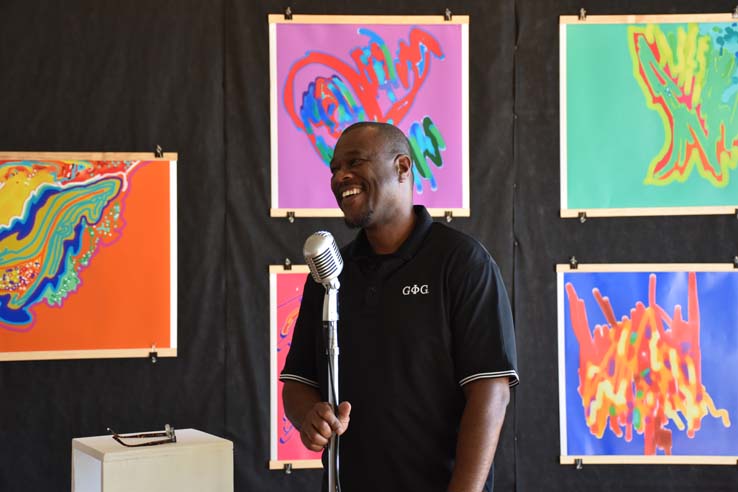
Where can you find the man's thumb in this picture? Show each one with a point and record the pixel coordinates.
(344, 409)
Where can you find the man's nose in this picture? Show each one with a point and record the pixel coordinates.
(342, 174)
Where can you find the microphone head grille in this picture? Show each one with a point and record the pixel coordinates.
(323, 257)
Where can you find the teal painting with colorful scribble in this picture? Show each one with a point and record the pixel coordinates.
(651, 115)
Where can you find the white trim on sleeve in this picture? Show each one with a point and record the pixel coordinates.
(513, 375)
(299, 379)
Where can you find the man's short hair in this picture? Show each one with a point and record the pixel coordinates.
(393, 137)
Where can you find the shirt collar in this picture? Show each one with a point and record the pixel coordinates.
(361, 248)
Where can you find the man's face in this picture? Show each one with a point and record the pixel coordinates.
(365, 179)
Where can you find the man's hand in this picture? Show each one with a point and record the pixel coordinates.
(314, 418)
(320, 423)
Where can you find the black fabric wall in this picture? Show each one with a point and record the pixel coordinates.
(544, 240)
(120, 76)
(192, 76)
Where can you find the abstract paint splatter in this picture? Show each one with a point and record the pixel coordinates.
(379, 86)
(289, 289)
(55, 216)
(689, 76)
(644, 371)
(289, 311)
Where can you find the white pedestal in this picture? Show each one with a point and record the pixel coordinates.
(196, 462)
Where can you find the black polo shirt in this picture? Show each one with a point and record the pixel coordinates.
(414, 327)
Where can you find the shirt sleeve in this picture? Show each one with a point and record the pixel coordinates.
(300, 364)
(481, 319)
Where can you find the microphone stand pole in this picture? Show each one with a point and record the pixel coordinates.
(330, 324)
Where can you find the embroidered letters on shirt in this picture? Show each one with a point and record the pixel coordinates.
(415, 289)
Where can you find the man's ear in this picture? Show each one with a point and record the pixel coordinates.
(404, 167)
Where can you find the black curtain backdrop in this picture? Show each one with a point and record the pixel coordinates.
(192, 76)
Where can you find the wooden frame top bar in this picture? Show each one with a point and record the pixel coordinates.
(646, 267)
(646, 19)
(294, 269)
(88, 156)
(368, 19)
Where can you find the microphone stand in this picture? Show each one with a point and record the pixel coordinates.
(330, 325)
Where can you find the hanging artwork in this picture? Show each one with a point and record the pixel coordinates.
(648, 115)
(87, 255)
(285, 296)
(328, 72)
(647, 355)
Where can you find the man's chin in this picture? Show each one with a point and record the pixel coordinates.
(358, 221)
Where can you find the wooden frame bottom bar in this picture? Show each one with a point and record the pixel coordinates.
(87, 354)
(572, 213)
(649, 460)
(296, 464)
(336, 212)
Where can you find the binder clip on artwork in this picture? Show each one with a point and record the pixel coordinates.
(167, 434)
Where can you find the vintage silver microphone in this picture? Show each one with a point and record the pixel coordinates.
(322, 256)
(325, 263)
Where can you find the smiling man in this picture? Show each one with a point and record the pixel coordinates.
(425, 333)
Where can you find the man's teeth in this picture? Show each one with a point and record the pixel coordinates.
(352, 191)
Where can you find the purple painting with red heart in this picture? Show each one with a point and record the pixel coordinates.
(329, 76)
